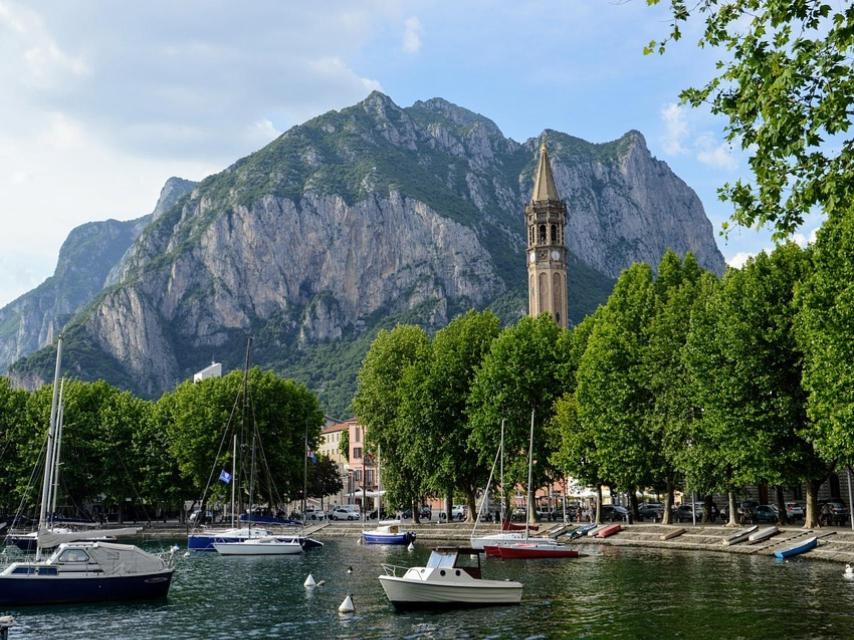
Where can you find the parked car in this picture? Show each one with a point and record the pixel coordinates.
(833, 512)
(519, 514)
(765, 513)
(344, 513)
(373, 515)
(458, 512)
(687, 513)
(745, 510)
(314, 514)
(614, 513)
(650, 510)
(795, 511)
(197, 518)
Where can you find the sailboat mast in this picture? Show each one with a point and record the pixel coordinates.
(243, 427)
(51, 434)
(60, 419)
(530, 474)
(379, 483)
(234, 477)
(304, 473)
(501, 471)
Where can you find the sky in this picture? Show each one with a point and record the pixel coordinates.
(103, 101)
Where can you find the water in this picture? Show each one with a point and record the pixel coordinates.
(617, 593)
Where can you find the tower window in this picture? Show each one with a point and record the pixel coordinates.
(542, 233)
(554, 234)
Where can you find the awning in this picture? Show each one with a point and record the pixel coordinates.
(367, 494)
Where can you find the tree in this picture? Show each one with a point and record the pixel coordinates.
(434, 407)
(17, 434)
(344, 443)
(324, 478)
(786, 86)
(672, 410)
(612, 395)
(520, 374)
(825, 324)
(195, 416)
(388, 368)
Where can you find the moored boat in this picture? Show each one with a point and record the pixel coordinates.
(267, 546)
(388, 532)
(530, 550)
(447, 582)
(802, 547)
(204, 540)
(608, 530)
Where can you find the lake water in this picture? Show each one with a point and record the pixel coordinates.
(615, 593)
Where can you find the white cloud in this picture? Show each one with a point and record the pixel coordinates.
(739, 259)
(715, 154)
(412, 35)
(675, 129)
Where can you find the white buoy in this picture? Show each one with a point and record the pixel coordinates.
(849, 572)
(186, 554)
(349, 570)
(411, 547)
(347, 606)
(309, 582)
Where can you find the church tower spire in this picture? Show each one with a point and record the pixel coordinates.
(545, 216)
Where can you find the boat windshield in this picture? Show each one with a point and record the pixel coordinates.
(439, 559)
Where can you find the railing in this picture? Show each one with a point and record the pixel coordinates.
(393, 569)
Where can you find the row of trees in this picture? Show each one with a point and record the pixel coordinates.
(682, 379)
(118, 448)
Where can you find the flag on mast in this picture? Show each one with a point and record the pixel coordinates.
(225, 476)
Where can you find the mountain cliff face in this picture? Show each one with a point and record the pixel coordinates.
(355, 220)
(91, 250)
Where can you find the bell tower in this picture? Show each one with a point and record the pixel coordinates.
(545, 216)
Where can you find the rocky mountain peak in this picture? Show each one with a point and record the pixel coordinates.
(174, 189)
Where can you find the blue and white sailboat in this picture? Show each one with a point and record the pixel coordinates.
(387, 531)
(80, 571)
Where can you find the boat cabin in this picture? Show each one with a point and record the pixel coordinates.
(454, 560)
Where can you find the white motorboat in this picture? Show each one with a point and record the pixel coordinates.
(447, 582)
(268, 546)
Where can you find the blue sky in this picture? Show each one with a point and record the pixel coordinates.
(103, 101)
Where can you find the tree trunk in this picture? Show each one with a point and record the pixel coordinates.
(781, 505)
(416, 511)
(449, 502)
(532, 508)
(811, 516)
(707, 508)
(666, 517)
(471, 501)
(633, 505)
(732, 509)
(598, 518)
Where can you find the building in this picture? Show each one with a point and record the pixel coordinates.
(214, 370)
(357, 468)
(545, 216)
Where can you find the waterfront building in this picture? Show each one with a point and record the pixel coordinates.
(357, 468)
(213, 370)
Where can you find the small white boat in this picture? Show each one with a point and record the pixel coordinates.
(504, 539)
(269, 546)
(388, 532)
(762, 535)
(446, 582)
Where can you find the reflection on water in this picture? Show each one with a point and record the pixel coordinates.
(615, 593)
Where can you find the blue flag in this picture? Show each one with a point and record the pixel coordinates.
(225, 476)
(311, 456)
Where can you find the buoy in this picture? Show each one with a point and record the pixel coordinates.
(349, 570)
(411, 547)
(849, 572)
(309, 582)
(186, 554)
(6, 622)
(347, 606)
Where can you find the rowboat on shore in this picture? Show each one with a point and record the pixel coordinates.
(741, 536)
(802, 547)
(608, 531)
(762, 535)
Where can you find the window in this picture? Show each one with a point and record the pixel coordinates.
(542, 233)
(74, 555)
(358, 434)
(369, 477)
(554, 234)
(357, 475)
(357, 453)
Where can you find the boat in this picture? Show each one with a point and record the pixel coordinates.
(530, 550)
(388, 532)
(582, 530)
(80, 571)
(266, 546)
(447, 582)
(27, 542)
(204, 540)
(741, 536)
(762, 535)
(506, 525)
(802, 547)
(609, 530)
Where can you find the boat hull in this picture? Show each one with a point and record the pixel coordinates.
(256, 549)
(32, 589)
(410, 594)
(803, 547)
(610, 530)
(387, 538)
(205, 542)
(529, 552)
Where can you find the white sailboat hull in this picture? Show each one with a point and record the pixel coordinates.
(502, 539)
(403, 592)
(258, 548)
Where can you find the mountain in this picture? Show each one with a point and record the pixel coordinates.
(86, 258)
(357, 219)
